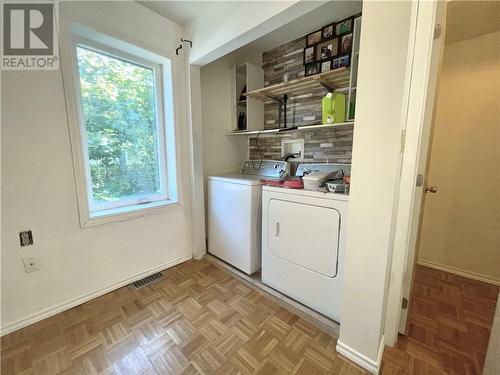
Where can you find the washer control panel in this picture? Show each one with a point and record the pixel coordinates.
(265, 168)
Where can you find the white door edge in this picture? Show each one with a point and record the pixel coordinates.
(426, 62)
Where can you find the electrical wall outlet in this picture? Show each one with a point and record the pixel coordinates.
(26, 238)
(30, 264)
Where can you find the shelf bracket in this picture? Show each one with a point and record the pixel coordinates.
(275, 98)
(280, 103)
(282, 106)
(327, 86)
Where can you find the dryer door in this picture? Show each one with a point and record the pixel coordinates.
(305, 235)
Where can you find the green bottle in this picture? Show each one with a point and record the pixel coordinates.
(333, 108)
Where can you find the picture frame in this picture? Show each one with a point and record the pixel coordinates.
(344, 26)
(335, 64)
(326, 66)
(313, 38)
(309, 54)
(346, 44)
(344, 61)
(312, 69)
(328, 32)
(327, 49)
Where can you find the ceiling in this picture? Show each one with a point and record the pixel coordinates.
(180, 12)
(470, 19)
(319, 17)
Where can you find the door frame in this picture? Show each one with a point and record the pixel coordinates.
(424, 65)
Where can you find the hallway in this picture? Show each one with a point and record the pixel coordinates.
(449, 326)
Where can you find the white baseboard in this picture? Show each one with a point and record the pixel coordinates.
(199, 255)
(459, 272)
(360, 359)
(48, 312)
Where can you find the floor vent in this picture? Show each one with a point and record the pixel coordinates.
(147, 280)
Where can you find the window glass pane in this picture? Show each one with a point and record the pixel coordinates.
(118, 100)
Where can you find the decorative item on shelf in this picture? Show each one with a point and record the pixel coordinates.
(243, 92)
(327, 50)
(312, 69)
(346, 44)
(286, 76)
(326, 66)
(331, 41)
(242, 121)
(309, 55)
(345, 61)
(341, 62)
(328, 31)
(352, 109)
(333, 108)
(344, 26)
(313, 38)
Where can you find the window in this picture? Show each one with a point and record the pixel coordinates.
(122, 130)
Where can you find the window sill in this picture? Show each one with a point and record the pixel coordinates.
(131, 212)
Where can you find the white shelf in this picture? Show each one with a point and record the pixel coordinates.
(252, 132)
(321, 126)
(305, 127)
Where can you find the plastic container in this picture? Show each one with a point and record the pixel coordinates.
(333, 108)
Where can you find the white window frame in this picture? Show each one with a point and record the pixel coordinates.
(91, 212)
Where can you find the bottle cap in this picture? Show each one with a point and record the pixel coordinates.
(329, 95)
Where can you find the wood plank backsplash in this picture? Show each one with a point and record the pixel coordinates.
(330, 145)
(304, 109)
(321, 145)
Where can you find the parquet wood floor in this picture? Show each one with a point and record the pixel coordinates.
(198, 320)
(449, 326)
(202, 320)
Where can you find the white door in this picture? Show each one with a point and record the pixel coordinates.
(425, 54)
(305, 235)
(422, 115)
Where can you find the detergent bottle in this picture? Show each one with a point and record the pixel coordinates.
(333, 108)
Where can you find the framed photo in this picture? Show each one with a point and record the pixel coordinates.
(327, 32)
(313, 38)
(346, 44)
(344, 26)
(312, 69)
(335, 64)
(327, 50)
(344, 61)
(309, 54)
(326, 66)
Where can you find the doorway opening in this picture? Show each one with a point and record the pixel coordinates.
(456, 266)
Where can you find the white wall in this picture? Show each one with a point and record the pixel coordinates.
(38, 186)
(224, 28)
(221, 153)
(375, 175)
(459, 230)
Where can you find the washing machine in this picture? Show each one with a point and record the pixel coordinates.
(303, 246)
(234, 213)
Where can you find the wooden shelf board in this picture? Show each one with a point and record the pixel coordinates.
(321, 126)
(252, 132)
(338, 78)
(305, 127)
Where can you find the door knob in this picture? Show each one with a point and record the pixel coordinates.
(431, 189)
